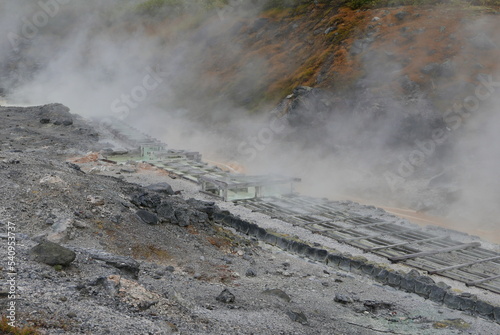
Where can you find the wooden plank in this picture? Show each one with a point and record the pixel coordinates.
(480, 281)
(390, 246)
(464, 265)
(367, 237)
(437, 251)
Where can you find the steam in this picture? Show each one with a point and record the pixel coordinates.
(103, 58)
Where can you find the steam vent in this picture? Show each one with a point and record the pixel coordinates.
(250, 167)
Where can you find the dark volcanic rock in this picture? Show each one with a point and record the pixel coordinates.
(126, 264)
(183, 217)
(57, 113)
(166, 212)
(161, 188)
(297, 316)
(52, 254)
(343, 299)
(147, 217)
(146, 200)
(226, 297)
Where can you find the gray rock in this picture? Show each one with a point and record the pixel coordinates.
(146, 200)
(52, 254)
(164, 188)
(496, 313)
(126, 264)
(484, 308)
(57, 112)
(183, 217)
(166, 212)
(147, 217)
(374, 305)
(278, 293)
(343, 299)
(401, 15)
(297, 316)
(251, 273)
(329, 30)
(226, 297)
(71, 315)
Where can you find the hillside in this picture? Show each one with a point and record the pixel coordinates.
(389, 101)
(324, 44)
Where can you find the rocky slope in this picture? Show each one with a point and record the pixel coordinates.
(141, 260)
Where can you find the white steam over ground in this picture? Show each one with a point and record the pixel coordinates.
(98, 59)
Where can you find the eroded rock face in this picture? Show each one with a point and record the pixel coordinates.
(52, 254)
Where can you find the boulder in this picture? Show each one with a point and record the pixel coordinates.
(146, 200)
(166, 212)
(58, 114)
(52, 254)
(164, 188)
(147, 217)
(127, 265)
(226, 297)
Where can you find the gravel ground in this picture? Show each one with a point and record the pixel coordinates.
(131, 277)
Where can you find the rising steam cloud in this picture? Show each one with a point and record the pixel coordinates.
(103, 58)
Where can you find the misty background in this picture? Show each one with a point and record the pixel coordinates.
(388, 147)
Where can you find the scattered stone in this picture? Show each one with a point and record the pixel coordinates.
(52, 254)
(133, 293)
(147, 217)
(251, 273)
(128, 170)
(226, 297)
(95, 200)
(146, 200)
(127, 265)
(164, 188)
(183, 217)
(374, 306)
(401, 15)
(71, 315)
(278, 293)
(297, 316)
(343, 299)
